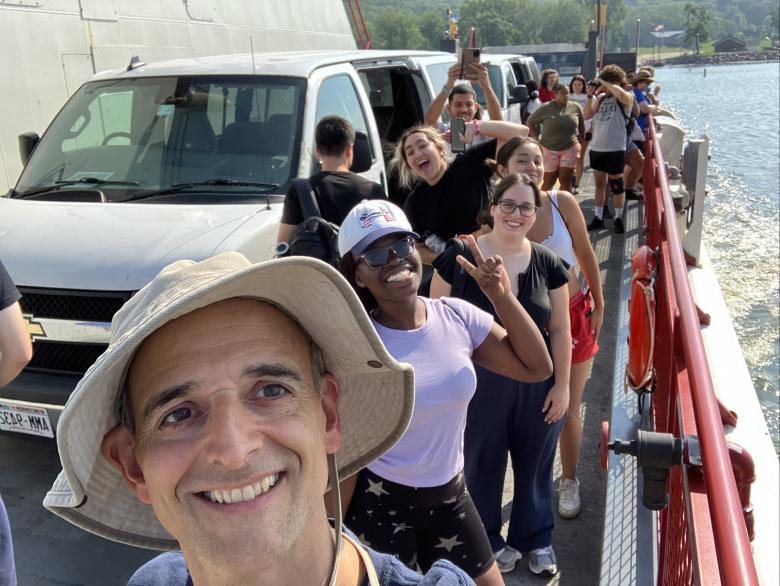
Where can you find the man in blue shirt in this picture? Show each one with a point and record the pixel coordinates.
(640, 82)
(213, 423)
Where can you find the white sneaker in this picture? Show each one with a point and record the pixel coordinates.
(569, 504)
(506, 558)
(543, 560)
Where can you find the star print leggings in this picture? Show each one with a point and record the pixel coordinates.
(420, 525)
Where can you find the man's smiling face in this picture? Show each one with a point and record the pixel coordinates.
(231, 434)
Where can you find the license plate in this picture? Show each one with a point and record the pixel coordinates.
(31, 420)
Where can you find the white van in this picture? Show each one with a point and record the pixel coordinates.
(179, 159)
(508, 73)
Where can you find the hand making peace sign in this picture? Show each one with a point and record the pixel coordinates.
(490, 274)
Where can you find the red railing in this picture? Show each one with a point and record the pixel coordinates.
(703, 537)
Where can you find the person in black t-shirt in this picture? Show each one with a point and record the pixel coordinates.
(336, 188)
(506, 416)
(452, 192)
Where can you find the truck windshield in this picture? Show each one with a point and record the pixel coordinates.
(135, 135)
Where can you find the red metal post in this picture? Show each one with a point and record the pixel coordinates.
(367, 44)
(355, 23)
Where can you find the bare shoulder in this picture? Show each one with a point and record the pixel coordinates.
(569, 206)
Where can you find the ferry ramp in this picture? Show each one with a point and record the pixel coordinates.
(578, 542)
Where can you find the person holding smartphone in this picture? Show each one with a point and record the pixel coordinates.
(459, 100)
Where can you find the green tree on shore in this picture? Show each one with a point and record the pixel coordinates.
(498, 22)
(396, 30)
(433, 26)
(696, 25)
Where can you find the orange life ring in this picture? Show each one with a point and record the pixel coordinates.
(641, 322)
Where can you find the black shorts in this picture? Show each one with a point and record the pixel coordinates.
(610, 162)
(420, 525)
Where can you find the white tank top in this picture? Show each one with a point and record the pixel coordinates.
(559, 240)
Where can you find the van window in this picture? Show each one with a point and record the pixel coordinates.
(521, 74)
(395, 100)
(166, 130)
(496, 82)
(509, 78)
(338, 96)
(438, 72)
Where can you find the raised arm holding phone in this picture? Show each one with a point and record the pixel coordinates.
(460, 100)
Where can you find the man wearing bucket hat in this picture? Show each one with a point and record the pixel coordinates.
(641, 82)
(225, 404)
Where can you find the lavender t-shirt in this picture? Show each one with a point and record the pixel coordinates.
(430, 453)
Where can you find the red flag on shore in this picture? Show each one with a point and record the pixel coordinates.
(658, 28)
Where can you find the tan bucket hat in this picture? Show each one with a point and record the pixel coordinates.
(375, 403)
(642, 75)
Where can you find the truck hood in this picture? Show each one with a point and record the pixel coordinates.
(121, 247)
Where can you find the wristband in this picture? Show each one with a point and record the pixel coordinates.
(476, 127)
(445, 89)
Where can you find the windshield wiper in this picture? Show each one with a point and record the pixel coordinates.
(93, 181)
(218, 182)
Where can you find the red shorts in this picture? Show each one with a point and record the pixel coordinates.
(583, 343)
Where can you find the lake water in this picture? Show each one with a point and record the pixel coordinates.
(738, 107)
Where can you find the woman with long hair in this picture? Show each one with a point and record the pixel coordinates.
(412, 501)
(563, 129)
(548, 79)
(449, 192)
(560, 226)
(509, 417)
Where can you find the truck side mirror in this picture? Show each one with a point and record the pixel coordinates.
(519, 95)
(361, 153)
(27, 142)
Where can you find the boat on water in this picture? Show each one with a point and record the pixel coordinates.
(699, 459)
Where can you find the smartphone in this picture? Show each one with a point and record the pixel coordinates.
(468, 56)
(457, 127)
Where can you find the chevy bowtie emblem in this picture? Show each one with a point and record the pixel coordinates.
(34, 328)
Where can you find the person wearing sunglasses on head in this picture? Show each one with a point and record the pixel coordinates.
(519, 418)
(412, 501)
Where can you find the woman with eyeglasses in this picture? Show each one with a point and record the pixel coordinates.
(412, 501)
(522, 419)
(560, 226)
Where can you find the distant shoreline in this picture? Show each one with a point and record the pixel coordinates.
(723, 58)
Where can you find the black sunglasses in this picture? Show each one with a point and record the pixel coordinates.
(379, 257)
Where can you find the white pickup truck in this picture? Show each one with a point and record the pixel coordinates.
(508, 75)
(180, 159)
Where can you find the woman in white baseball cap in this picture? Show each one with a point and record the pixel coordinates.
(412, 501)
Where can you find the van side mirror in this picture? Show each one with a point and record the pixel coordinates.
(27, 142)
(361, 153)
(519, 95)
